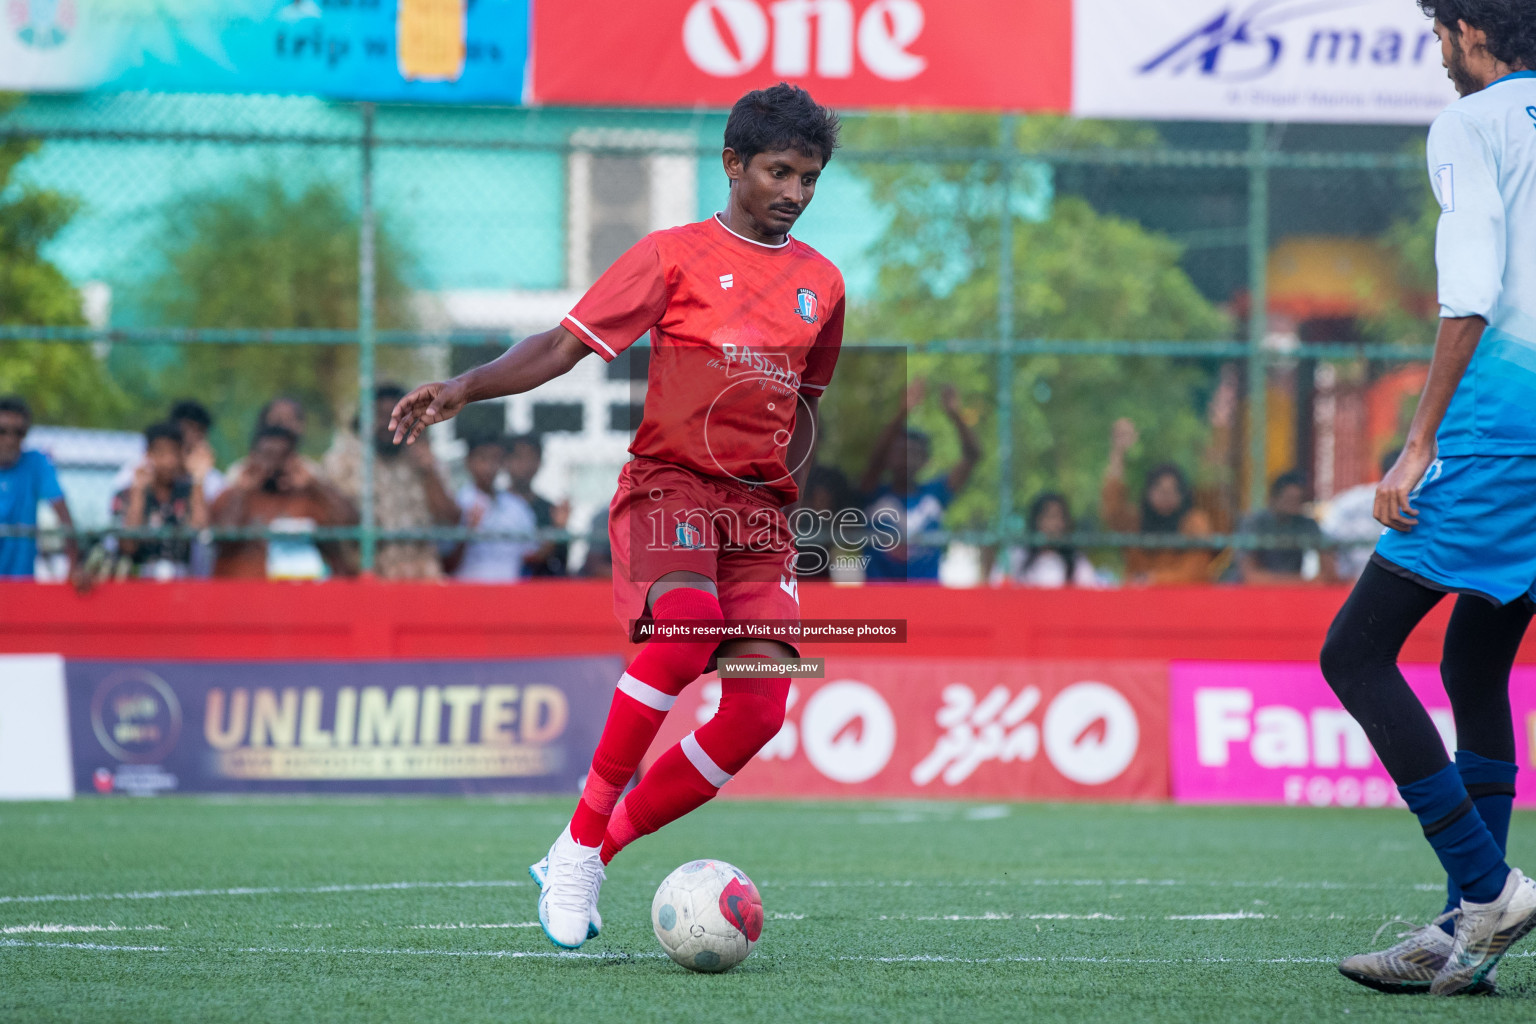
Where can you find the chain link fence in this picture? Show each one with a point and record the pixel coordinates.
(1252, 299)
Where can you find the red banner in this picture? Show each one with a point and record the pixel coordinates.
(977, 54)
(959, 728)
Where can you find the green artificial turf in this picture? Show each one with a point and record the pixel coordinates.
(875, 912)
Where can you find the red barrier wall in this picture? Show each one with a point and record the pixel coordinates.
(370, 619)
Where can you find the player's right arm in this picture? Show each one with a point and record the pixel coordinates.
(1469, 258)
(626, 302)
(533, 361)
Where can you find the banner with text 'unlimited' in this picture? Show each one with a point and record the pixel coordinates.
(968, 54)
(525, 726)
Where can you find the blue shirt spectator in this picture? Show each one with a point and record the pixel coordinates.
(26, 479)
(923, 511)
(903, 504)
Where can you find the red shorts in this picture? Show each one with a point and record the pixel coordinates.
(665, 518)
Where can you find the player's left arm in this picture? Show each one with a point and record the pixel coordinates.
(820, 364)
(1469, 258)
(1455, 344)
(802, 443)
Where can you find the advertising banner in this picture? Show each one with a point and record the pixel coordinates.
(34, 729)
(979, 54)
(1274, 733)
(1351, 61)
(408, 50)
(958, 728)
(506, 726)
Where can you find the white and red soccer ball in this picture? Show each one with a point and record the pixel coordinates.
(707, 915)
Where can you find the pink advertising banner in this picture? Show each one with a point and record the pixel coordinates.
(1274, 733)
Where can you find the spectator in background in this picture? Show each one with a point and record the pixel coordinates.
(408, 491)
(828, 494)
(1350, 521)
(1168, 505)
(163, 494)
(287, 412)
(1285, 517)
(484, 507)
(193, 420)
(918, 507)
(599, 561)
(26, 479)
(525, 454)
(275, 489)
(1052, 564)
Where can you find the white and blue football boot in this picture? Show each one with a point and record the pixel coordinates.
(569, 877)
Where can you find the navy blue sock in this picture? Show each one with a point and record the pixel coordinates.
(1466, 848)
(1491, 785)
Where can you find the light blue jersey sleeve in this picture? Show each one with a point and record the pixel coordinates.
(1471, 237)
(48, 488)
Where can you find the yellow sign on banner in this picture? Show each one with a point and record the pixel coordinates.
(429, 38)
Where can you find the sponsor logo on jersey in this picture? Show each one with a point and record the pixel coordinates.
(727, 280)
(807, 305)
(1445, 187)
(689, 536)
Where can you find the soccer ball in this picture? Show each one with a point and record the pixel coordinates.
(707, 915)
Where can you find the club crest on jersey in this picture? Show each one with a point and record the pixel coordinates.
(689, 536)
(807, 305)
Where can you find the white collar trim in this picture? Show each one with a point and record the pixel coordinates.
(749, 241)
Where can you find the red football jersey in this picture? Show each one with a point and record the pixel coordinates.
(738, 330)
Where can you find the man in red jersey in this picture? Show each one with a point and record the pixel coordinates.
(745, 326)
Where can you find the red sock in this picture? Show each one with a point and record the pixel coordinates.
(689, 775)
(640, 704)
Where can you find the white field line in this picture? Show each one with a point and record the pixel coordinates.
(13, 943)
(996, 915)
(510, 954)
(269, 890)
(1241, 915)
(36, 928)
(462, 924)
(869, 883)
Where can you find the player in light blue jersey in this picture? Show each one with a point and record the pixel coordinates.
(1460, 507)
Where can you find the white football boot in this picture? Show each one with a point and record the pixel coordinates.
(570, 877)
(1411, 965)
(1484, 933)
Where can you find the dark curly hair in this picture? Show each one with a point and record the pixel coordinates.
(1510, 25)
(781, 117)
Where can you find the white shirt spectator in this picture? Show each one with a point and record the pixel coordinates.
(1348, 518)
(1049, 569)
(495, 561)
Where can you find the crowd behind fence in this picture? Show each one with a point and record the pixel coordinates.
(453, 232)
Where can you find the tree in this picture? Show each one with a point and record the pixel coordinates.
(1413, 315)
(1077, 274)
(263, 253)
(62, 381)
